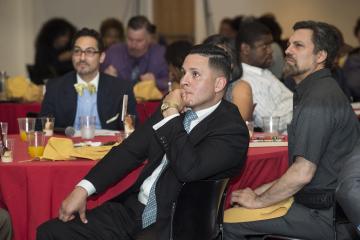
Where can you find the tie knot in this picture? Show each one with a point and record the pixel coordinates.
(189, 116)
(79, 87)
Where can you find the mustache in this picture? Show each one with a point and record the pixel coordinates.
(289, 57)
(82, 62)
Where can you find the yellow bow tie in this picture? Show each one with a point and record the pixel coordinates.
(79, 87)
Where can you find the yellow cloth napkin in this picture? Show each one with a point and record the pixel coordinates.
(240, 214)
(58, 149)
(146, 90)
(63, 149)
(93, 153)
(20, 88)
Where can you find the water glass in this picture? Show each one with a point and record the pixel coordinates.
(250, 126)
(129, 124)
(8, 154)
(271, 125)
(48, 125)
(26, 125)
(4, 129)
(87, 127)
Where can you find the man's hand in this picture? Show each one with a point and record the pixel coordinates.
(147, 76)
(75, 202)
(174, 97)
(111, 70)
(245, 198)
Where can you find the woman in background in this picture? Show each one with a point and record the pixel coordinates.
(52, 50)
(112, 31)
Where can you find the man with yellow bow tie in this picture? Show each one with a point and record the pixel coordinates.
(86, 91)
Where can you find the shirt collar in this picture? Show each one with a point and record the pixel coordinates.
(203, 113)
(307, 82)
(95, 81)
(256, 70)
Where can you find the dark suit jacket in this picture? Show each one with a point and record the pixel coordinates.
(216, 148)
(60, 100)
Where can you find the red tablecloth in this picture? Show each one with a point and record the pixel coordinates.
(32, 191)
(263, 165)
(9, 112)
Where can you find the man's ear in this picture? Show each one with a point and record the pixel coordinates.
(321, 56)
(245, 48)
(220, 83)
(102, 57)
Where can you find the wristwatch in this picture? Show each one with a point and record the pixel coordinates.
(166, 105)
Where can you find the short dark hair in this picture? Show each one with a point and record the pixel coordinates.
(325, 38)
(112, 23)
(250, 32)
(219, 59)
(217, 39)
(176, 52)
(139, 22)
(86, 32)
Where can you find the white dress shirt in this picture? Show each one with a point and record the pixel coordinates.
(271, 96)
(146, 186)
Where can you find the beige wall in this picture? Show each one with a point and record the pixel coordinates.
(343, 14)
(20, 20)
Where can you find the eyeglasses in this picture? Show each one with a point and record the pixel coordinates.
(89, 52)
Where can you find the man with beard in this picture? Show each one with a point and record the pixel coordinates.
(324, 129)
(139, 59)
(257, 84)
(86, 92)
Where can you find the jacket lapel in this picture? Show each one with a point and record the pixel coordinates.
(70, 97)
(201, 129)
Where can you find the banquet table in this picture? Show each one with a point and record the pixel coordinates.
(32, 191)
(10, 112)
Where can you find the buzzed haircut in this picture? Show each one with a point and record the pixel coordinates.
(86, 32)
(325, 37)
(250, 32)
(141, 22)
(219, 59)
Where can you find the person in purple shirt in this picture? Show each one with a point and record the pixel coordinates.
(138, 59)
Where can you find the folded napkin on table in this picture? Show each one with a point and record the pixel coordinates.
(146, 90)
(241, 214)
(63, 149)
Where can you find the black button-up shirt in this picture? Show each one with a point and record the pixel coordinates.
(324, 127)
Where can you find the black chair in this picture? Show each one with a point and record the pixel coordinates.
(199, 211)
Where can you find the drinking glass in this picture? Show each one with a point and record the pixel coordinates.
(36, 144)
(271, 125)
(87, 126)
(7, 155)
(26, 125)
(129, 124)
(48, 125)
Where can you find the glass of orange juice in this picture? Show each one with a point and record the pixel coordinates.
(36, 144)
(26, 125)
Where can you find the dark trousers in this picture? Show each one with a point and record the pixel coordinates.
(112, 220)
(300, 221)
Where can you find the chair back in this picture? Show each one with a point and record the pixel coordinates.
(198, 211)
